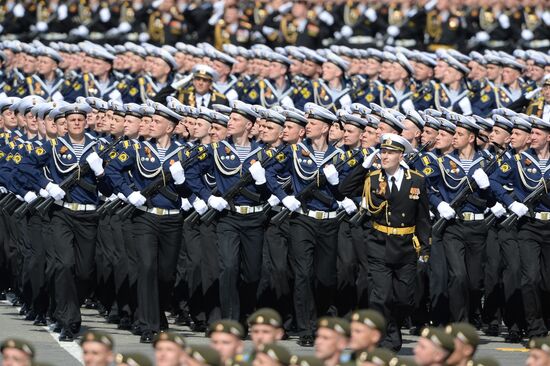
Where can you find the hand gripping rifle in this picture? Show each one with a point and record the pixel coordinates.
(529, 201)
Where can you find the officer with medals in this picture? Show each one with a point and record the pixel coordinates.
(464, 227)
(526, 171)
(73, 221)
(157, 220)
(314, 225)
(445, 26)
(400, 234)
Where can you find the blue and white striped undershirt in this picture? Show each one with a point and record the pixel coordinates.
(161, 152)
(319, 156)
(242, 152)
(542, 165)
(78, 150)
(466, 164)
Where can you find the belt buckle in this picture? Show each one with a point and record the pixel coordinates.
(319, 215)
(394, 230)
(467, 216)
(73, 206)
(544, 215)
(243, 210)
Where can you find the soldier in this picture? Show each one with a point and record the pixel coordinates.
(484, 99)
(466, 341)
(445, 27)
(233, 28)
(539, 353)
(165, 23)
(406, 23)
(367, 330)
(46, 83)
(265, 327)
(226, 338)
(169, 348)
(225, 82)
(97, 348)
(512, 87)
(433, 348)
(369, 93)
(271, 355)
(452, 92)
(202, 92)
(17, 352)
(201, 356)
(331, 340)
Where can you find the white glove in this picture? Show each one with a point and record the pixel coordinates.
(504, 21)
(181, 82)
(518, 208)
(178, 175)
(285, 8)
(19, 198)
(446, 211)
(55, 191)
(105, 15)
(143, 37)
(291, 203)
(42, 26)
(367, 163)
(43, 193)
(62, 12)
(331, 174)
(532, 93)
(112, 32)
(527, 34)
(393, 30)
(498, 210)
(122, 197)
(371, 15)
(1, 28)
(217, 203)
(137, 199)
(156, 3)
(273, 200)
(348, 205)
(18, 11)
(96, 163)
(3, 190)
(111, 198)
(268, 30)
(346, 31)
(124, 27)
(186, 205)
(482, 36)
(258, 173)
(481, 178)
(81, 31)
(30, 196)
(200, 206)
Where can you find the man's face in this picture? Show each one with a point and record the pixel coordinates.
(331, 71)
(51, 128)
(221, 68)
(539, 139)
(167, 353)
(32, 125)
(390, 159)
(423, 72)
(369, 137)
(385, 70)
(538, 357)
(411, 131)
(428, 135)
(363, 337)
(217, 132)
(201, 129)
(493, 72)
(373, 67)
(159, 127)
(309, 68)
(96, 354)
(277, 70)
(352, 135)
(426, 353)
(462, 138)
(265, 334)
(29, 65)
(226, 344)
(131, 126)
(546, 94)
(9, 119)
(335, 133)
(61, 125)
(444, 140)
(384, 128)
(462, 352)
(117, 125)
(15, 357)
(520, 139)
(451, 75)
(202, 85)
(238, 124)
(271, 132)
(45, 65)
(440, 69)
(316, 128)
(292, 133)
(327, 343)
(159, 68)
(499, 136)
(100, 67)
(76, 123)
(509, 75)
(536, 72)
(477, 71)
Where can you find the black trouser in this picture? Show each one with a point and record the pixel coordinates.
(359, 236)
(120, 263)
(464, 243)
(240, 243)
(188, 289)
(275, 288)
(392, 289)
(514, 317)
(4, 263)
(534, 253)
(346, 269)
(312, 254)
(74, 238)
(105, 252)
(158, 240)
(51, 261)
(24, 249)
(492, 307)
(420, 315)
(37, 262)
(210, 273)
(438, 283)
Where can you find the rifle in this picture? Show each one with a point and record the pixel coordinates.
(465, 192)
(529, 201)
(112, 206)
(44, 205)
(412, 159)
(210, 215)
(283, 214)
(149, 191)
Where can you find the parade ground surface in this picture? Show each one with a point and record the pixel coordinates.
(48, 349)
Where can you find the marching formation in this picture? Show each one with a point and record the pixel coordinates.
(211, 182)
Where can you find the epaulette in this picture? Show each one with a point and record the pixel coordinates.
(376, 172)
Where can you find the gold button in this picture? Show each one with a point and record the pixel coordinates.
(389, 213)
(403, 214)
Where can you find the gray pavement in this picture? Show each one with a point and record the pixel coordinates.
(48, 349)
